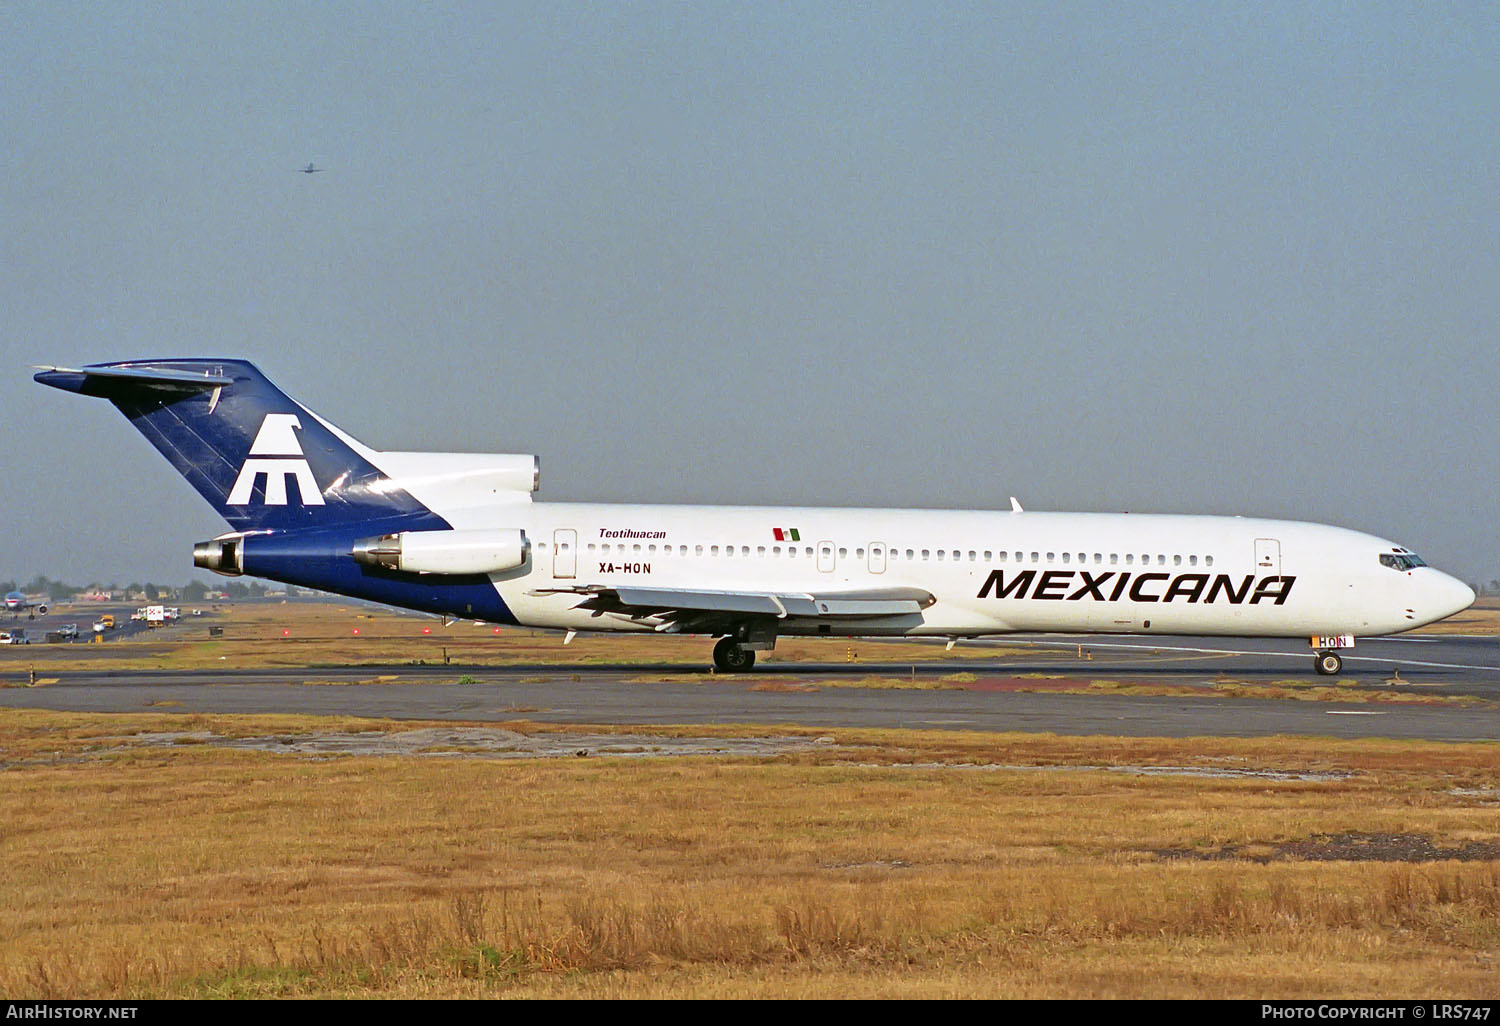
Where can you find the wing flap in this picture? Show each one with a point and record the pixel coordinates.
(643, 602)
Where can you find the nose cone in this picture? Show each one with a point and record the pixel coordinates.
(1449, 596)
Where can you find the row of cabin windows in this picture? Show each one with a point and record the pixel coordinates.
(942, 555)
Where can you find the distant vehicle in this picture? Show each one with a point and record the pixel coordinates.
(311, 169)
(108, 619)
(17, 602)
(16, 637)
(100, 626)
(68, 630)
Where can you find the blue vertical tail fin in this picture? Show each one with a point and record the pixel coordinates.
(259, 458)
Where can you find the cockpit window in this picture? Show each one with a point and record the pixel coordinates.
(1401, 560)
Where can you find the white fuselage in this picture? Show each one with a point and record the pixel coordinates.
(435, 531)
(989, 572)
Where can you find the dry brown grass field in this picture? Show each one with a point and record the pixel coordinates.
(1483, 617)
(875, 864)
(140, 858)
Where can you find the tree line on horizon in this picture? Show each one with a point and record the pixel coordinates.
(193, 591)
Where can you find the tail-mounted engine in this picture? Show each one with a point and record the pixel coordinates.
(224, 555)
(445, 552)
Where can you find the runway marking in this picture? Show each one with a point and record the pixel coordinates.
(1351, 712)
(1419, 662)
(1146, 647)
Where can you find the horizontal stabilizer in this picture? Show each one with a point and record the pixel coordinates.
(98, 380)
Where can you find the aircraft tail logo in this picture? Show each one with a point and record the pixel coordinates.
(277, 455)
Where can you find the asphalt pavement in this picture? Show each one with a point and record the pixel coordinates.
(1449, 688)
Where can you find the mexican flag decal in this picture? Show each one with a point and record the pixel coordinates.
(786, 534)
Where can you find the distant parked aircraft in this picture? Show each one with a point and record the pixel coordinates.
(17, 602)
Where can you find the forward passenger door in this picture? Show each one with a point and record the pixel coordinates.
(564, 553)
(1268, 557)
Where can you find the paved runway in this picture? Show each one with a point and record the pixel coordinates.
(1461, 675)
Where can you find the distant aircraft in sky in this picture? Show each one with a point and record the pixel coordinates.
(311, 169)
(458, 534)
(16, 602)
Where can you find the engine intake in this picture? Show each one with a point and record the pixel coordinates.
(445, 552)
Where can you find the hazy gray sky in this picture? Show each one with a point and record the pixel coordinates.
(1228, 258)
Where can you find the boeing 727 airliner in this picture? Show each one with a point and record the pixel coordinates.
(458, 534)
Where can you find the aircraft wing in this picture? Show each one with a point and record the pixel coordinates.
(685, 609)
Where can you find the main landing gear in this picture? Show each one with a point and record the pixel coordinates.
(1328, 663)
(729, 657)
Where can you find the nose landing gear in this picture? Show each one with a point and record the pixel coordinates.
(1325, 660)
(1328, 663)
